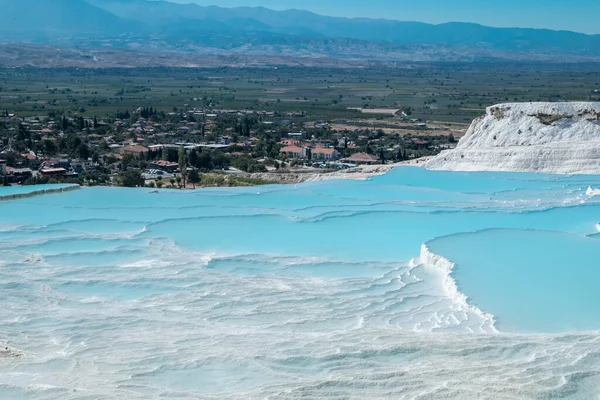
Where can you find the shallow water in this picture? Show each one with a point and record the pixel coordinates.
(315, 290)
(20, 190)
(533, 281)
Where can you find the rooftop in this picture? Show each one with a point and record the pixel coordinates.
(292, 149)
(361, 157)
(135, 149)
(323, 150)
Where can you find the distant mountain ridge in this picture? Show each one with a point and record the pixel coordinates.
(189, 28)
(23, 17)
(297, 22)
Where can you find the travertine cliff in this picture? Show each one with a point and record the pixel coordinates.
(561, 138)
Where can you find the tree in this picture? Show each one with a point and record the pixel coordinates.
(73, 142)
(193, 157)
(122, 115)
(204, 161)
(170, 155)
(194, 177)
(248, 164)
(23, 133)
(49, 148)
(131, 178)
(220, 160)
(83, 151)
(183, 164)
(11, 160)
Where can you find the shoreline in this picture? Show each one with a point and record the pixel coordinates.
(360, 173)
(39, 192)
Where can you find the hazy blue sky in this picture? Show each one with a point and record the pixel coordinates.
(576, 15)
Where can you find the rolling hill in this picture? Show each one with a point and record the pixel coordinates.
(310, 25)
(162, 26)
(23, 18)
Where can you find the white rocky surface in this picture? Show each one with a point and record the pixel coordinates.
(593, 192)
(559, 138)
(359, 173)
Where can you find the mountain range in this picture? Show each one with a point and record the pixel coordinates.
(162, 26)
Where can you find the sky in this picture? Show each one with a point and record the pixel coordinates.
(575, 15)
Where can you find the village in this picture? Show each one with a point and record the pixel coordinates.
(199, 147)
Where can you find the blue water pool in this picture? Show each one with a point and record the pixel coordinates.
(415, 284)
(23, 190)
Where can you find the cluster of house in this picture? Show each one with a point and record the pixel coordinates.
(62, 167)
(145, 135)
(51, 167)
(296, 149)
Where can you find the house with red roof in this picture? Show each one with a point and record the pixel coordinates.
(166, 166)
(361, 158)
(135, 150)
(325, 154)
(29, 156)
(293, 152)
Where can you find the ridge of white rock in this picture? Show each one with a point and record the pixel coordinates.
(592, 192)
(554, 138)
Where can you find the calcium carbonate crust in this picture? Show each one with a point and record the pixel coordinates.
(557, 138)
(430, 258)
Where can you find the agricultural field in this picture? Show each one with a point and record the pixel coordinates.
(453, 93)
(117, 126)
